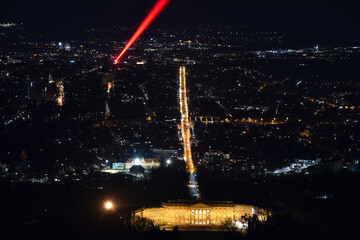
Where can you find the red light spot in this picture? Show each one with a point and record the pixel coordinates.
(149, 18)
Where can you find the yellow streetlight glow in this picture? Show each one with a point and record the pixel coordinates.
(108, 205)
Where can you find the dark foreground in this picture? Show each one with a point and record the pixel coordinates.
(316, 207)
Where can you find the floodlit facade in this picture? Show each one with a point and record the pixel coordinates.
(146, 163)
(305, 163)
(188, 214)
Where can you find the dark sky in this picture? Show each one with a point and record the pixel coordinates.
(329, 18)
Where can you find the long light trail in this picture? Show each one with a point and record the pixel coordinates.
(185, 126)
(147, 21)
(185, 123)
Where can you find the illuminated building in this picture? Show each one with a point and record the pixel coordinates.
(118, 166)
(61, 95)
(4, 168)
(61, 46)
(107, 107)
(305, 163)
(146, 163)
(109, 86)
(189, 214)
(7, 25)
(107, 110)
(165, 154)
(67, 47)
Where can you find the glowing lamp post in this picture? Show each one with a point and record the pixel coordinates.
(109, 206)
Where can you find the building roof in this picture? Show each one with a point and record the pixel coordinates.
(198, 203)
(137, 169)
(147, 160)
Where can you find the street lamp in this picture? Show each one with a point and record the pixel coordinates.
(109, 205)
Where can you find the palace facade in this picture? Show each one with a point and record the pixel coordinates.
(195, 213)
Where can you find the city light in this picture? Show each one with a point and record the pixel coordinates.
(185, 123)
(174, 114)
(108, 205)
(149, 18)
(241, 225)
(185, 126)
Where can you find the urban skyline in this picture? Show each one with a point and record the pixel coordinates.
(321, 20)
(142, 127)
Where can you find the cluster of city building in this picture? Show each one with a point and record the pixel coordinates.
(252, 109)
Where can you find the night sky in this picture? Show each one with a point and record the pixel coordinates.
(328, 19)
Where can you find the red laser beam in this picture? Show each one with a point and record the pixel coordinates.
(149, 18)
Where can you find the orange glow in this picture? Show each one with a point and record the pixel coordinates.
(109, 86)
(60, 101)
(149, 18)
(185, 123)
(108, 205)
(60, 98)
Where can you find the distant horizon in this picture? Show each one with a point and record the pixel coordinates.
(298, 39)
(320, 19)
